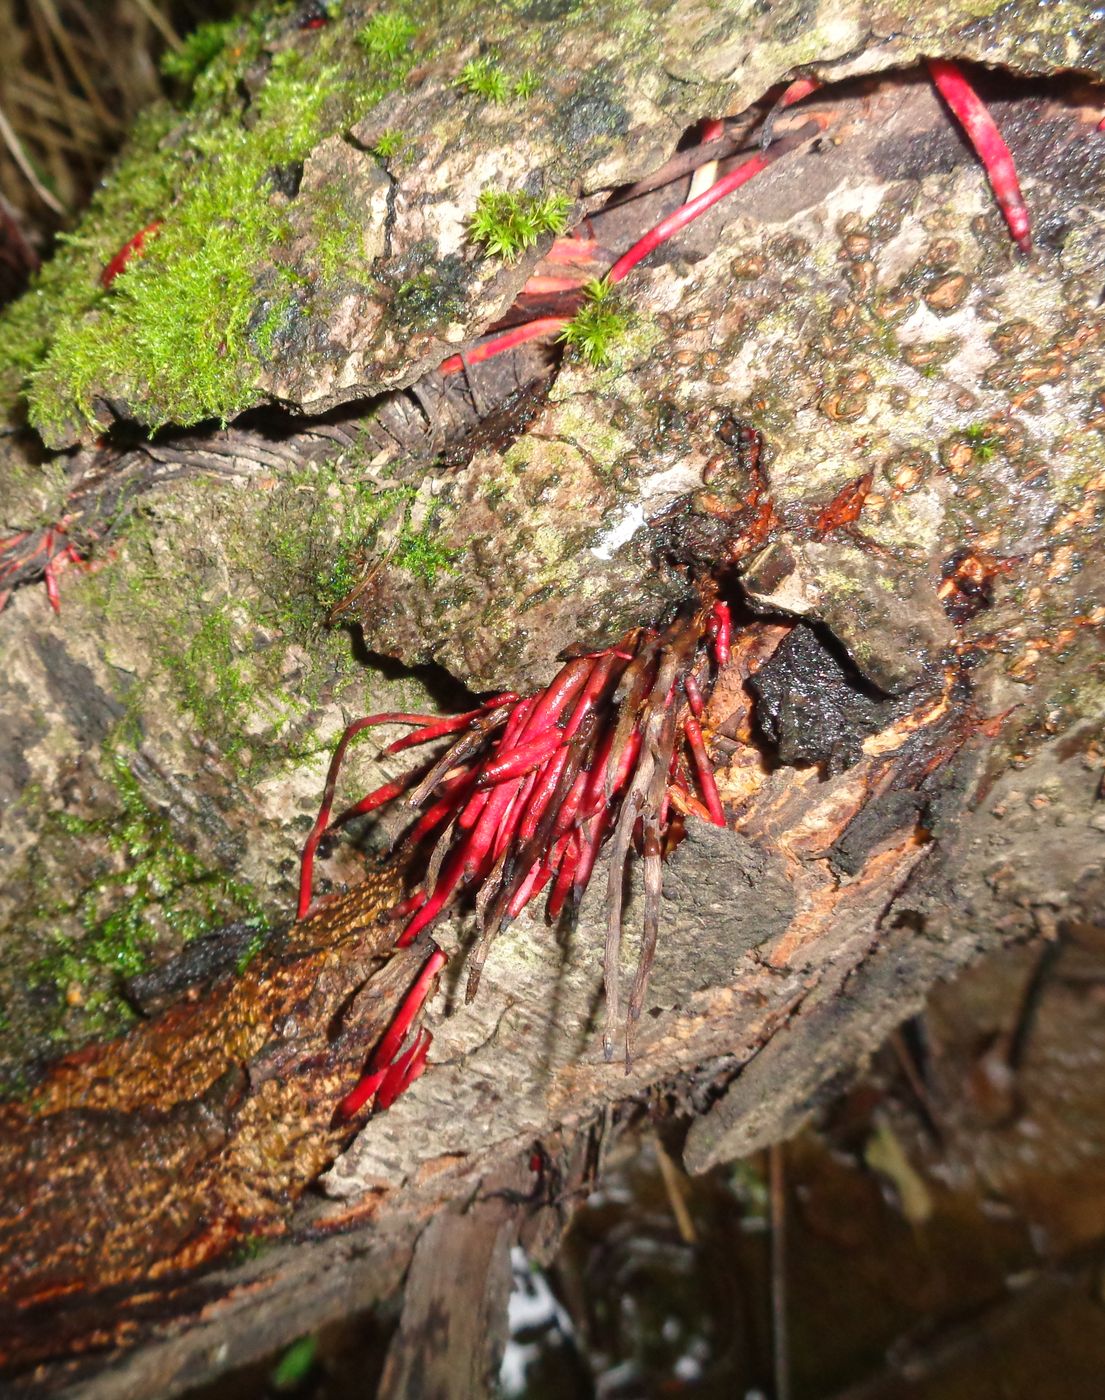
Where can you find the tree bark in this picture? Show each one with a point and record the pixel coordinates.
(907, 738)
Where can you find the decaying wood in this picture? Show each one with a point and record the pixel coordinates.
(453, 1329)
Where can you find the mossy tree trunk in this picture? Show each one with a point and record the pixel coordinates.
(907, 740)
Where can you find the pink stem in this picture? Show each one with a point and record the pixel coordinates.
(989, 145)
(480, 842)
(433, 726)
(411, 1005)
(500, 344)
(600, 673)
(571, 805)
(405, 1070)
(407, 906)
(694, 696)
(360, 1094)
(539, 876)
(446, 884)
(542, 794)
(446, 803)
(386, 792)
(307, 859)
(565, 876)
(554, 699)
(720, 627)
(514, 726)
(687, 213)
(473, 809)
(591, 835)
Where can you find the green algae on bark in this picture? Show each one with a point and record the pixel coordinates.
(107, 891)
(172, 727)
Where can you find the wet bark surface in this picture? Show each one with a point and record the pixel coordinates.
(907, 738)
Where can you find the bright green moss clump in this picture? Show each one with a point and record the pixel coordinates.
(599, 324)
(506, 223)
(387, 39)
(206, 42)
(184, 328)
(484, 77)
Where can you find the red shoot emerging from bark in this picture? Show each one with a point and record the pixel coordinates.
(563, 250)
(687, 213)
(131, 249)
(989, 145)
(42, 554)
(533, 330)
(530, 789)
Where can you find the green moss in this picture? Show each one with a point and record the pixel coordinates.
(390, 143)
(296, 1364)
(132, 195)
(599, 325)
(387, 39)
(205, 43)
(252, 948)
(144, 885)
(525, 86)
(217, 684)
(421, 553)
(231, 580)
(506, 223)
(365, 514)
(983, 442)
(378, 524)
(338, 234)
(484, 77)
(184, 329)
(275, 318)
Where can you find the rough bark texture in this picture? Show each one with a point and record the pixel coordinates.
(908, 739)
